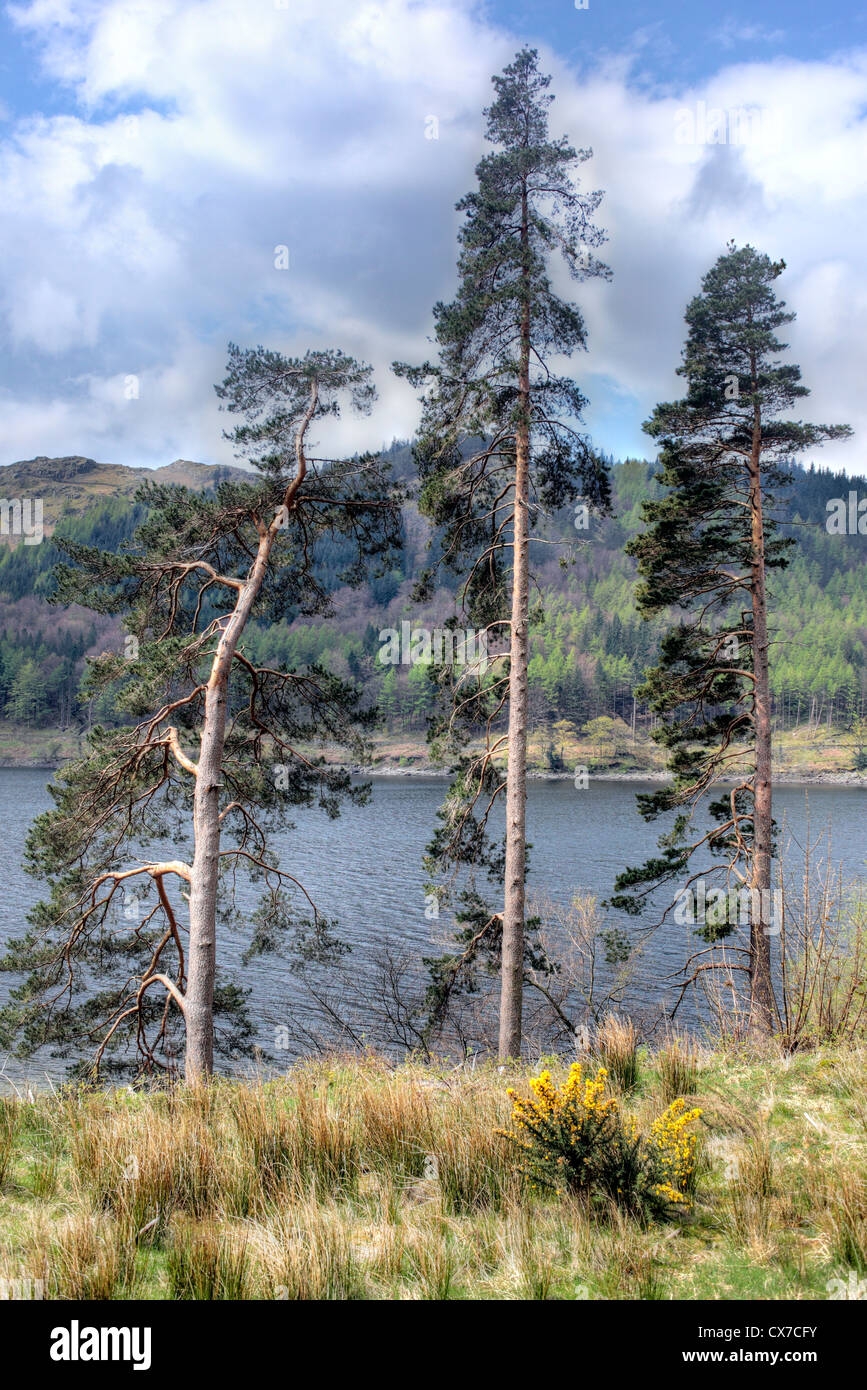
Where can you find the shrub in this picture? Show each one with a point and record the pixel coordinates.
(575, 1137)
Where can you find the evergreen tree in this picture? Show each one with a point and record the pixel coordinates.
(199, 568)
(705, 554)
(500, 445)
(26, 702)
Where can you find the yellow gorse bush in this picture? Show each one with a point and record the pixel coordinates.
(676, 1148)
(578, 1097)
(575, 1135)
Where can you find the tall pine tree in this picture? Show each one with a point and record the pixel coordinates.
(500, 445)
(705, 555)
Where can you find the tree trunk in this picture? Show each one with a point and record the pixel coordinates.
(202, 954)
(763, 1015)
(512, 971)
(202, 960)
(202, 957)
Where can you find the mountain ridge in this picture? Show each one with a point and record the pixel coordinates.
(68, 484)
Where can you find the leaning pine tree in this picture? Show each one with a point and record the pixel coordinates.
(500, 446)
(122, 958)
(705, 555)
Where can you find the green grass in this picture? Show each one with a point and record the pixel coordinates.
(347, 1179)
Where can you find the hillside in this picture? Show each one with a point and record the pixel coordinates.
(69, 486)
(589, 647)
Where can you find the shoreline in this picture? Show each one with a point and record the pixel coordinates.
(847, 779)
(814, 777)
(782, 777)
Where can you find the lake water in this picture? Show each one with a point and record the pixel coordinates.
(364, 869)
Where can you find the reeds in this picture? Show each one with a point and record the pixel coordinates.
(677, 1063)
(616, 1047)
(10, 1111)
(750, 1193)
(206, 1263)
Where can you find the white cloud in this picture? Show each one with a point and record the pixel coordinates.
(139, 246)
(734, 32)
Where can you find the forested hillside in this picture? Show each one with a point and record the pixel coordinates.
(589, 648)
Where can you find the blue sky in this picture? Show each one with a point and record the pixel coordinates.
(153, 157)
(682, 42)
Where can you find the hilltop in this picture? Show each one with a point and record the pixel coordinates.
(72, 484)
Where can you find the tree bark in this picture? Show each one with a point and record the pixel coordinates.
(202, 958)
(204, 880)
(763, 1015)
(512, 970)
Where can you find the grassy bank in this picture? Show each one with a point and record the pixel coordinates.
(806, 753)
(349, 1179)
(21, 746)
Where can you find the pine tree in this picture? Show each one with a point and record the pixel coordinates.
(709, 544)
(27, 701)
(125, 947)
(500, 445)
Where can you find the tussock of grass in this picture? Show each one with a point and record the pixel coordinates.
(348, 1179)
(677, 1064)
(616, 1047)
(204, 1262)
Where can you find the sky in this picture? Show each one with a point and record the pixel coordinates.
(156, 155)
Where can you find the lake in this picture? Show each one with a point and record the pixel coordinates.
(364, 870)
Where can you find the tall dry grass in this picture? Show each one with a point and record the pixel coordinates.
(677, 1063)
(616, 1046)
(348, 1179)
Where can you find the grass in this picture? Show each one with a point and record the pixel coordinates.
(24, 746)
(349, 1179)
(616, 1046)
(677, 1064)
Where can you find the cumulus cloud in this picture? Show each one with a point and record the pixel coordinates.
(141, 228)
